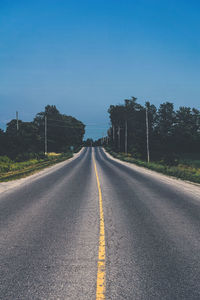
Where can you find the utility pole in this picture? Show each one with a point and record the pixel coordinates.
(113, 132)
(119, 137)
(17, 119)
(147, 128)
(45, 134)
(126, 137)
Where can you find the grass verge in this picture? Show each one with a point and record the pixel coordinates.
(15, 170)
(181, 171)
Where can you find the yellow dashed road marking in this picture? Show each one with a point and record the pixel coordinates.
(101, 271)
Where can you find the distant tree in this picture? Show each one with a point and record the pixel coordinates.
(170, 132)
(26, 139)
(134, 114)
(187, 129)
(3, 142)
(88, 143)
(164, 128)
(63, 131)
(165, 120)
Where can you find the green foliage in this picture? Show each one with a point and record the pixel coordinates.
(5, 159)
(10, 170)
(171, 133)
(88, 143)
(28, 142)
(29, 155)
(184, 172)
(63, 131)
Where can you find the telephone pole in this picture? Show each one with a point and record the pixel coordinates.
(126, 137)
(17, 119)
(147, 129)
(119, 137)
(113, 132)
(45, 134)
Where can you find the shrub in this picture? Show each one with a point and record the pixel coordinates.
(4, 167)
(5, 159)
(179, 170)
(169, 160)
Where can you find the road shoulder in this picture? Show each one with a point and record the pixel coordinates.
(185, 186)
(6, 186)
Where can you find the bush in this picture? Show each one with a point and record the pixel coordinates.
(170, 160)
(24, 157)
(181, 171)
(40, 155)
(5, 159)
(29, 155)
(4, 167)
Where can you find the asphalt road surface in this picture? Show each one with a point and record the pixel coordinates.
(50, 232)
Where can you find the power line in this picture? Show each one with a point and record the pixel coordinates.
(75, 127)
(65, 121)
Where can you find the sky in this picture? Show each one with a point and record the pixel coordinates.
(84, 55)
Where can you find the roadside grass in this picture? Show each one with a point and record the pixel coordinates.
(10, 170)
(190, 159)
(53, 154)
(187, 169)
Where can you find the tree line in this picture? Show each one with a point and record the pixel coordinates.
(171, 132)
(22, 138)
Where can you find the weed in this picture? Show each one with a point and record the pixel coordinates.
(190, 172)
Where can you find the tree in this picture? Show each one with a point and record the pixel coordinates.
(164, 128)
(63, 131)
(26, 139)
(134, 114)
(3, 142)
(187, 129)
(171, 132)
(165, 120)
(88, 143)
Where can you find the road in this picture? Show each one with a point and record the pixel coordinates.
(50, 235)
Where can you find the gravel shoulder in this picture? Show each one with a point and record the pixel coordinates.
(186, 186)
(5, 186)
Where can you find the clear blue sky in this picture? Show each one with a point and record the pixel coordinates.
(84, 55)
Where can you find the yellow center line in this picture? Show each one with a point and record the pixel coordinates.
(101, 271)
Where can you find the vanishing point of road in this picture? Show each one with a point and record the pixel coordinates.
(95, 228)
